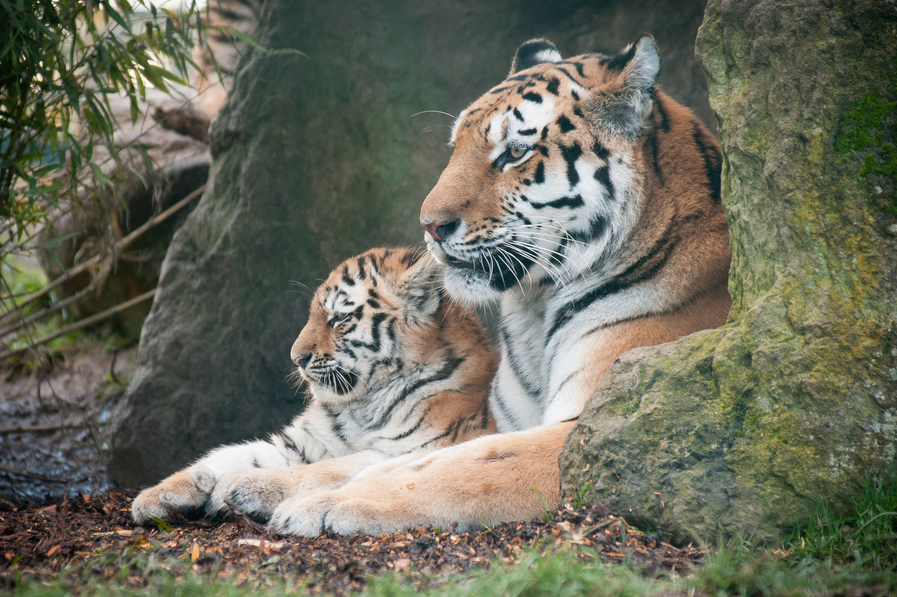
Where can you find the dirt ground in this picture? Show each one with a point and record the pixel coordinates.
(39, 542)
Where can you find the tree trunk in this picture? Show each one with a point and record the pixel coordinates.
(743, 429)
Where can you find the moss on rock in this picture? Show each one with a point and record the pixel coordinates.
(744, 428)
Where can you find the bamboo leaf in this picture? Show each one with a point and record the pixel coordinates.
(244, 38)
(101, 178)
(116, 16)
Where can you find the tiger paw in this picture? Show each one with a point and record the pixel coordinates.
(184, 492)
(254, 492)
(316, 513)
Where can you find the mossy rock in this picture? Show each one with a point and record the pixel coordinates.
(742, 430)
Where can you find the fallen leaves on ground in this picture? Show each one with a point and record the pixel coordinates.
(97, 533)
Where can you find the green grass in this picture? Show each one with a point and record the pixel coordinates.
(727, 571)
(867, 536)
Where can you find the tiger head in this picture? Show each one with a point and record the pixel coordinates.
(373, 316)
(544, 182)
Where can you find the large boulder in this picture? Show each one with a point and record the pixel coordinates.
(319, 156)
(744, 429)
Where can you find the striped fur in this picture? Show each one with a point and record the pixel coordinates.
(587, 202)
(392, 367)
(610, 215)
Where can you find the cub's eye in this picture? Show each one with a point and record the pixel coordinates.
(337, 319)
(516, 152)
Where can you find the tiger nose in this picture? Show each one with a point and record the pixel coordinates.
(301, 360)
(439, 229)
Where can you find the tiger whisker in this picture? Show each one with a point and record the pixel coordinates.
(432, 112)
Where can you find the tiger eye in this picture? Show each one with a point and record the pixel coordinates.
(516, 152)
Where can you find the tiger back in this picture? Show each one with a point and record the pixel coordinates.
(392, 368)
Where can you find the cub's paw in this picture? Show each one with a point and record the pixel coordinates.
(185, 492)
(254, 492)
(316, 513)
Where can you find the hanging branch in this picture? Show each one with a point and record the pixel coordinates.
(43, 313)
(80, 324)
(99, 258)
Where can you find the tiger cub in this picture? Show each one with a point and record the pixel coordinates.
(392, 366)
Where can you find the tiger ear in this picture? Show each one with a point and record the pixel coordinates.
(640, 61)
(624, 113)
(533, 52)
(420, 289)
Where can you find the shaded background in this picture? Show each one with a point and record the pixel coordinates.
(317, 158)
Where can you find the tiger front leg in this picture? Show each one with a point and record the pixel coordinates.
(484, 481)
(187, 491)
(257, 492)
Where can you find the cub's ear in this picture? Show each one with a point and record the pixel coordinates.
(624, 112)
(420, 288)
(533, 52)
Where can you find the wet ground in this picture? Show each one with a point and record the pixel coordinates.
(55, 423)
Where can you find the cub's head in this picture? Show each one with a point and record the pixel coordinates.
(544, 182)
(365, 321)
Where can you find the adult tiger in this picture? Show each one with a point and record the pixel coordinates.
(392, 368)
(588, 202)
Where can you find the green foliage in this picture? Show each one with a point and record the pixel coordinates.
(18, 279)
(60, 62)
(549, 513)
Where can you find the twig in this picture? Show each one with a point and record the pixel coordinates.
(81, 324)
(3, 469)
(246, 522)
(43, 313)
(117, 247)
(39, 428)
(598, 527)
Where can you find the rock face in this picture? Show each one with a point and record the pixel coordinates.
(318, 157)
(743, 429)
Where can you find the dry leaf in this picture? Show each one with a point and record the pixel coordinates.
(194, 554)
(260, 543)
(402, 564)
